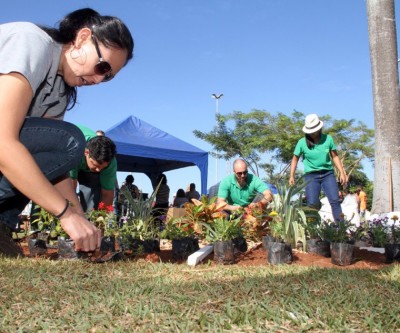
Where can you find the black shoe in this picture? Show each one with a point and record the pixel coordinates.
(8, 247)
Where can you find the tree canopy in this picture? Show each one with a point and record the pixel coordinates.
(266, 141)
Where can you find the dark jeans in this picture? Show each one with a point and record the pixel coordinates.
(56, 146)
(327, 181)
(89, 190)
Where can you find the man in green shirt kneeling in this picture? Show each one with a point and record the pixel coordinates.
(242, 189)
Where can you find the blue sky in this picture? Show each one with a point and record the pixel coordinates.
(274, 55)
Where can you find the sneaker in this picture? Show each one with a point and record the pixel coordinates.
(8, 247)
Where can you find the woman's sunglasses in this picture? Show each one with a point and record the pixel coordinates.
(102, 67)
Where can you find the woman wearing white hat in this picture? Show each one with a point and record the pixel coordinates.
(318, 151)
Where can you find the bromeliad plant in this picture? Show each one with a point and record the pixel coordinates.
(140, 222)
(290, 218)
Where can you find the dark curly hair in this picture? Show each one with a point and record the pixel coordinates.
(101, 149)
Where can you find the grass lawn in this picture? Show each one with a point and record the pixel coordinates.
(73, 296)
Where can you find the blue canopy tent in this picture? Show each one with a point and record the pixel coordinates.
(144, 148)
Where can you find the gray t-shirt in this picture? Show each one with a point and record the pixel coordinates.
(30, 51)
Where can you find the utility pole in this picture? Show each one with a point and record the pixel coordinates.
(216, 97)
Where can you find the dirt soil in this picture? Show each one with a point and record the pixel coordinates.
(255, 256)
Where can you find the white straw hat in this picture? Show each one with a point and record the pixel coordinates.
(312, 124)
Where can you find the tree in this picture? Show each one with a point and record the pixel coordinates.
(385, 88)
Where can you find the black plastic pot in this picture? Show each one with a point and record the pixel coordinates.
(224, 252)
(145, 246)
(239, 244)
(182, 248)
(151, 245)
(319, 247)
(266, 240)
(279, 253)
(342, 253)
(107, 244)
(66, 249)
(392, 252)
(37, 246)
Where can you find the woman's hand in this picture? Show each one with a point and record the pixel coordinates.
(343, 179)
(85, 235)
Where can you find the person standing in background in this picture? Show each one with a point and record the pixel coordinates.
(319, 151)
(192, 193)
(162, 196)
(362, 201)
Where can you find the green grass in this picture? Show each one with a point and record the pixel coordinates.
(75, 296)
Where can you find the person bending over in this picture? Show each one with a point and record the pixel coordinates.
(40, 70)
(97, 172)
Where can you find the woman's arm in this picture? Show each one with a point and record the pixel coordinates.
(22, 171)
(338, 163)
(293, 167)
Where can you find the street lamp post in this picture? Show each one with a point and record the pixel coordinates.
(216, 97)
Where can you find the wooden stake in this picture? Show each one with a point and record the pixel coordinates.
(390, 186)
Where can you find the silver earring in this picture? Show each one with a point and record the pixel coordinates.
(75, 54)
(79, 55)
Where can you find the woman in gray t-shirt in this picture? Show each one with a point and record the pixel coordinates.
(40, 70)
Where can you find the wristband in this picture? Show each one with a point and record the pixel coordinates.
(63, 211)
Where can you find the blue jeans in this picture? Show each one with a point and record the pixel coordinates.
(327, 181)
(56, 146)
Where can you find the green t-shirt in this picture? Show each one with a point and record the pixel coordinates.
(242, 196)
(108, 176)
(318, 158)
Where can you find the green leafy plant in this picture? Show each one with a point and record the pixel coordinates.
(378, 231)
(341, 231)
(288, 212)
(48, 223)
(139, 222)
(223, 229)
(313, 225)
(178, 228)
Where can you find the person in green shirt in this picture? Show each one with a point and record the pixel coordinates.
(241, 189)
(318, 151)
(97, 172)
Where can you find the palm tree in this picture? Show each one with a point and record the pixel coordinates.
(385, 88)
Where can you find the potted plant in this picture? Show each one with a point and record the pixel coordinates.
(377, 230)
(139, 231)
(255, 222)
(104, 218)
(316, 241)
(222, 231)
(183, 236)
(392, 246)
(46, 230)
(341, 238)
(288, 224)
